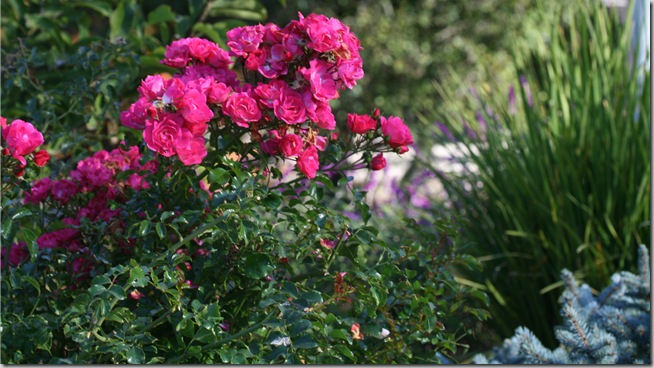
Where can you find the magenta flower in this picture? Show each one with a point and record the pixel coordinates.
(361, 124)
(289, 107)
(161, 136)
(320, 80)
(242, 108)
(291, 145)
(22, 139)
(398, 133)
(307, 162)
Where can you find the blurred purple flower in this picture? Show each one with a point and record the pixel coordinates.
(525, 85)
(445, 131)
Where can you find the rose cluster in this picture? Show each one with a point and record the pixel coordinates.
(288, 77)
(90, 188)
(20, 140)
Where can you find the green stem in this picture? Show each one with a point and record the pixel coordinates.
(156, 322)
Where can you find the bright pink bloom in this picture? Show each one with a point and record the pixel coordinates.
(195, 111)
(323, 32)
(256, 59)
(361, 124)
(319, 111)
(152, 87)
(161, 136)
(41, 158)
(190, 149)
(320, 79)
(242, 109)
(137, 182)
(268, 93)
(91, 173)
(39, 191)
(177, 54)
(22, 139)
(137, 113)
(307, 162)
(290, 108)
(350, 71)
(291, 145)
(397, 131)
(378, 162)
(244, 40)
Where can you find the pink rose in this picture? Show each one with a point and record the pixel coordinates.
(361, 124)
(398, 133)
(152, 87)
(137, 182)
(307, 162)
(18, 252)
(137, 113)
(378, 162)
(91, 173)
(256, 59)
(271, 145)
(350, 71)
(290, 108)
(320, 79)
(191, 149)
(39, 191)
(161, 136)
(244, 40)
(63, 190)
(291, 145)
(270, 92)
(319, 111)
(242, 109)
(177, 54)
(218, 92)
(195, 111)
(22, 138)
(323, 32)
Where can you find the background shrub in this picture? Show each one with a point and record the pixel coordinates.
(556, 173)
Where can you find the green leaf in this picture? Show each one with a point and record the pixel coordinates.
(135, 355)
(163, 13)
(161, 230)
(345, 351)
(102, 7)
(96, 290)
(304, 342)
(341, 334)
(272, 201)
(137, 277)
(257, 265)
(118, 292)
(144, 228)
(23, 212)
(300, 327)
(218, 176)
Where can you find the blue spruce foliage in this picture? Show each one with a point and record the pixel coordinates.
(610, 328)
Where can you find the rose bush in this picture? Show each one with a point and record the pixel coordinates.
(195, 242)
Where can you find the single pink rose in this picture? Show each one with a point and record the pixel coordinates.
(361, 124)
(161, 136)
(22, 139)
(242, 108)
(18, 253)
(307, 162)
(91, 173)
(177, 54)
(398, 133)
(190, 148)
(195, 111)
(291, 145)
(63, 190)
(290, 108)
(39, 191)
(244, 40)
(320, 79)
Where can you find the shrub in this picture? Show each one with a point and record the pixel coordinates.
(557, 174)
(206, 241)
(611, 328)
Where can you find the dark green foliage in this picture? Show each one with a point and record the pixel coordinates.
(610, 328)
